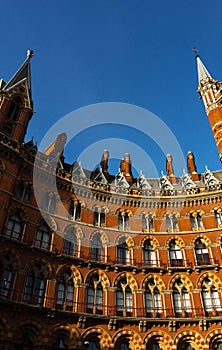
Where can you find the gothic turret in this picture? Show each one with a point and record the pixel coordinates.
(16, 102)
(210, 91)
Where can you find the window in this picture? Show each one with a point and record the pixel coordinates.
(184, 345)
(171, 222)
(65, 292)
(211, 298)
(147, 223)
(149, 254)
(34, 286)
(201, 252)
(14, 227)
(218, 218)
(123, 298)
(42, 239)
(122, 252)
(123, 221)
(14, 108)
(181, 299)
(69, 242)
(99, 217)
(6, 277)
(75, 210)
(91, 345)
(23, 191)
(25, 342)
(196, 221)
(95, 295)
(153, 345)
(61, 342)
(176, 258)
(49, 202)
(153, 302)
(96, 248)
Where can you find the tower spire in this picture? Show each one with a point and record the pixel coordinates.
(202, 71)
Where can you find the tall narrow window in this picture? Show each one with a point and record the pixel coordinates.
(176, 258)
(74, 210)
(34, 286)
(171, 223)
(218, 218)
(96, 247)
(123, 221)
(99, 217)
(153, 300)
(181, 299)
(6, 277)
(124, 298)
(23, 190)
(149, 254)
(14, 109)
(61, 342)
(211, 298)
(122, 252)
(65, 292)
(201, 252)
(14, 227)
(196, 221)
(95, 295)
(42, 239)
(69, 242)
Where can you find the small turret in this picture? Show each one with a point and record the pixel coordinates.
(191, 166)
(169, 169)
(126, 168)
(104, 163)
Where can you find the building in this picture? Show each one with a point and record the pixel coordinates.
(109, 262)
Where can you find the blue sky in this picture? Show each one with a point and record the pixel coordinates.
(135, 52)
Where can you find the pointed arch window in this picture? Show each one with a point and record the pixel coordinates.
(65, 292)
(23, 191)
(176, 257)
(74, 210)
(123, 221)
(153, 300)
(42, 239)
(61, 342)
(6, 277)
(196, 221)
(211, 298)
(14, 108)
(122, 252)
(202, 253)
(96, 248)
(25, 342)
(99, 217)
(35, 286)
(95, 295)
(124, 301)
(181, 299)
(184, 345)
(149, 254)
(70, 242)
(123, 345)
(92, 345)
(147, 222)
(14, 227)
(153, 345)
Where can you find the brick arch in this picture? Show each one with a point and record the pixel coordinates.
(166, 342)
(179, 241)
(198, 211)
(171, 213)
(53, 226)
(213, 335)
(16, 262)
(34, 327)
(158, 281)
(79, 232)
(204, 238)
(185, 280)
(100, 207)
(121, 210)
(125, 235)
(71, 332)
(130, 280)
(102, 334)
(104, 279)
(46, 267)
(77, 277)
(216, 280)
(20, 210)
(153, 241)
(103, 236)
(196, 340)
(135, 340)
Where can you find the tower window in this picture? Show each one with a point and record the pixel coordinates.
(14, 108)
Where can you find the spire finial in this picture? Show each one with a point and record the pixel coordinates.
(30, 53)
(196, 51)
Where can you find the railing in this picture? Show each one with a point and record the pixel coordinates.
(105, 310)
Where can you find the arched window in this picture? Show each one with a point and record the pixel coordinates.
(6, 277)
(153, 300)
(184, 345)
(216, 344)
(42, 239)
(171, 222)
(69, 242)
(201, 252)
(153, 345)
(196, 221)
(123, 221)
(14, 108)
(14, 227)
(35, 286)
(95, 295)
(74, 210)
(122, 252)
(96, 248)
(65, 291)
(211, 298)
(25, 342)
(99, 217)
(181, 299)
(61, 342)
(123, 345)
(124, 298)
(147, 222)
(176, 258)
(23, 191)
(91, 345)
(149, 254)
